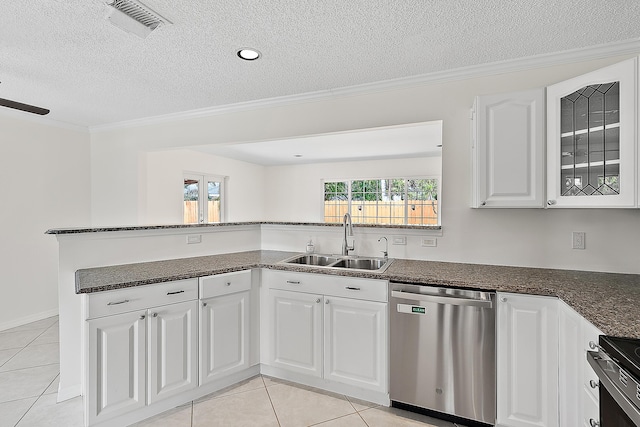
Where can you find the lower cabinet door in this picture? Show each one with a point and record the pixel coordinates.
(355, 342)
(527, 361)
(224, 336)
(172, 349)
(296, 332)
(117, 366)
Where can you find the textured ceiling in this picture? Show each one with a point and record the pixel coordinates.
(65, 56)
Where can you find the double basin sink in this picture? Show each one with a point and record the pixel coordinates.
(372, 265)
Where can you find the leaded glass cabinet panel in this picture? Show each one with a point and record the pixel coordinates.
(591, 139)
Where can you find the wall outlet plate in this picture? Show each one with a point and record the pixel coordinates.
(577, 240)
(429, 242)
(194, 238)
(399, 240)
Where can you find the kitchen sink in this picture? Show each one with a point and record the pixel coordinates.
(370, 264)
(362, 263)
(313, 259)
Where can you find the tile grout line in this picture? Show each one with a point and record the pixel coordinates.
(271, 401)
(37, 399)
(27, 345)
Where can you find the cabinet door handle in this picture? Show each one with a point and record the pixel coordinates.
(594, 346)
(318, 301)
(593, 384)
(352, 288)
(155, 314)
(503, 299)
(142, 317)
(204, 304)
(228, 283)
(593, 423)
(326, 302)
(483, 203)
(124, 301)
(175, 292)
(551, 202)
(293, 282)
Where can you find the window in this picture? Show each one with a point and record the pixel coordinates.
(396, 201)
(203, 199)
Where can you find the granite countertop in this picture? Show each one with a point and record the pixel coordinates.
(610, 301)
(80, 230)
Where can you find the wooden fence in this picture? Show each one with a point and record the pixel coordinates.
(191, 211)
(420, 212)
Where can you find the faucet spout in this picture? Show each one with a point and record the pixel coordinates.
(386, 246)
(348, 231)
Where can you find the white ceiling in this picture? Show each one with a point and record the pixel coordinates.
(64, 55)
(391, 142)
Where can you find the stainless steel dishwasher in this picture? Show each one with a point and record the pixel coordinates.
(443, 352)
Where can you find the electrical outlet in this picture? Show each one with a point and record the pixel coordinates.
(399, 240)
(194, 238)
(577, 240)
(429, 242)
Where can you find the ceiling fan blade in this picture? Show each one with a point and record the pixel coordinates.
(23, 107)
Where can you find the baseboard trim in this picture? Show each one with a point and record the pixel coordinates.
(28, 319)
(68, 392)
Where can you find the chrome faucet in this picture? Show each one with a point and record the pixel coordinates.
(386, 247)
(346, 222)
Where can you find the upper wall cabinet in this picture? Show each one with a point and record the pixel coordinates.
(508, 150)
(591, 139)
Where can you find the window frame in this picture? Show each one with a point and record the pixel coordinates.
(349, 181)
(203, 209)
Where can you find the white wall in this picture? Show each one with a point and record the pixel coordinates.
(295, 192)
(538, 238)
(44, 184)
(164, 189)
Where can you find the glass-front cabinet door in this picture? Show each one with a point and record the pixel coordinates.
(591, 139)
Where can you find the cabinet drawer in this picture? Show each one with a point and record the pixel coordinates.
(223, 284)
(140, 297)
(326, 284)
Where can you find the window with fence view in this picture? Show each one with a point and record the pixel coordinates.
(396, 201)
(202, 199)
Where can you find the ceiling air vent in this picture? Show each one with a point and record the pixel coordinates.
(134, 17)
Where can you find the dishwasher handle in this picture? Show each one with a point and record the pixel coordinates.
(468, 302)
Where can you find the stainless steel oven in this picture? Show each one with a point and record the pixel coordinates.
(617, 365)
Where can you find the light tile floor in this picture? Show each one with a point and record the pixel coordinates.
(29, 369)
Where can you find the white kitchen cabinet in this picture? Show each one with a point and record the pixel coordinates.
(508, 150)
(527, 360)
(172, 349)
(591, 138)
(142, 348)
(224, 335)
(296, 332)
(355, 342)
(330, 328)
(117, 355)
(225, 328)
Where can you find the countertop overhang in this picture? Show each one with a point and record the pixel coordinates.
(610, 301)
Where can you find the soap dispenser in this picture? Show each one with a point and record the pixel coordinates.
(310, 247)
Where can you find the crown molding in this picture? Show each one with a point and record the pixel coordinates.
(627, 47)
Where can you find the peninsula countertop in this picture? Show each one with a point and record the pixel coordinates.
(610, 301)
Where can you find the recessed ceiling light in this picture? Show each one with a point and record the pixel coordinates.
(248, 54)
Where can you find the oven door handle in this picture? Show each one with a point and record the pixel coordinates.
(625, 404)
(469, 302)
